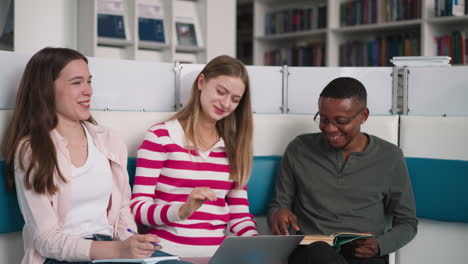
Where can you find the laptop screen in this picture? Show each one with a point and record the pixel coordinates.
(256, 249)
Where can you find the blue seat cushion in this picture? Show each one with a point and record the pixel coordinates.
(10, 214)
(260, 187)
(262, 183)
(440, 188)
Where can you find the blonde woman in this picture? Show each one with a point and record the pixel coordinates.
(192, 170)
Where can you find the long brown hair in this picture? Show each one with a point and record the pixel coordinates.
(235, 129)
(34, 118)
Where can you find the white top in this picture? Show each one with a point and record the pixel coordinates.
(91, 191)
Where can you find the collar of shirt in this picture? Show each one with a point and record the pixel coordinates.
(327, 149)
(178, 135)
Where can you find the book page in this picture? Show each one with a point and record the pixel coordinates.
(352, 234)
(343, 238)
(309, 239)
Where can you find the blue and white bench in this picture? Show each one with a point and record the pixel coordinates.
(436, 151)
(272, 135)
(437, 161)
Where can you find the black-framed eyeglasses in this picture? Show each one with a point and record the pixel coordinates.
(341, 121)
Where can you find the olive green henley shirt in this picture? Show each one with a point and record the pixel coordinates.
(329, 195)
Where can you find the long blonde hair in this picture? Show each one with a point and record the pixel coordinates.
(235, 129)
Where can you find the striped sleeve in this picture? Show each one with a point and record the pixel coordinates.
(151, 157)
(241, 223)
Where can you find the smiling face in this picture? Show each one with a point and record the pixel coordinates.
(348, 136)
(219, 96)
(73, 92)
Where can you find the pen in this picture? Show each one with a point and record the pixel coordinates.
(135, 233)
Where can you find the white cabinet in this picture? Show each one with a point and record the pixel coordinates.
(187, 15)
(74, 24)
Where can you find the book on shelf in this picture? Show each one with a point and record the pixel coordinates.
(335, 240)
(450, 7)
(186, 34)
(377, 52)
(310, 55)
(361, 12)
(150, 260)
(151, 22)
(458, 7)
(453, 45)
(466, 50)
(111, 19)
(295, 20)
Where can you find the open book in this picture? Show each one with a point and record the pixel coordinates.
(150, 260)
(336, 240)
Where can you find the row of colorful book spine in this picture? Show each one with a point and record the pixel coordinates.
(295, 19)
(312, 55)
(454, 46)
(450, 7)
(359, 12)
(379, 51)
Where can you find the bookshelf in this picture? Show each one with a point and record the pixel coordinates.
(182, 26)
(411, 30)
(244, 31)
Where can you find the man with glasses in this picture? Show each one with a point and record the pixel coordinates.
(343, 180)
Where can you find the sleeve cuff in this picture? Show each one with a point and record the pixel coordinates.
(83, 250)
(382, 250)
(173, 213)
(271, 216)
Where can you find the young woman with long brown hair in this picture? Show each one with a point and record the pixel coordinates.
(70, 174)
(192, 170)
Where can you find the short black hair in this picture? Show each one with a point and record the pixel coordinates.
(345, 87)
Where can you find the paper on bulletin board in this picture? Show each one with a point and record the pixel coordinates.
(438, 91)
(265, 83)
(110, 7)
(306, 83)
(132, 85)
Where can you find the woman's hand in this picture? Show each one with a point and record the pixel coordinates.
(196, 198)
(136, 246)
(139, 246)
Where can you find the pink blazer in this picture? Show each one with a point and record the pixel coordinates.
(44, 215)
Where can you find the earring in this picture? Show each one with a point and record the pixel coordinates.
(363, 122)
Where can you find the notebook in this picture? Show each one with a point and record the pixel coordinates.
(150, 260)
(256, 249)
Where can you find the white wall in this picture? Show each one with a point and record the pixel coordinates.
(221, 19)
(44, 23)
(11, 248)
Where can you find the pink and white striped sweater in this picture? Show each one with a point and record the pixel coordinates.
(166, 173)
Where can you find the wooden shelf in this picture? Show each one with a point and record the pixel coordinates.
(448, 20)
(405, 24)
(189, 49)
(295, 35)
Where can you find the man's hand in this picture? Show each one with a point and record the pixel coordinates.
(281, 219)
(366, 248)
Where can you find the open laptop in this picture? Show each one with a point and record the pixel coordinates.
(255, 250)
